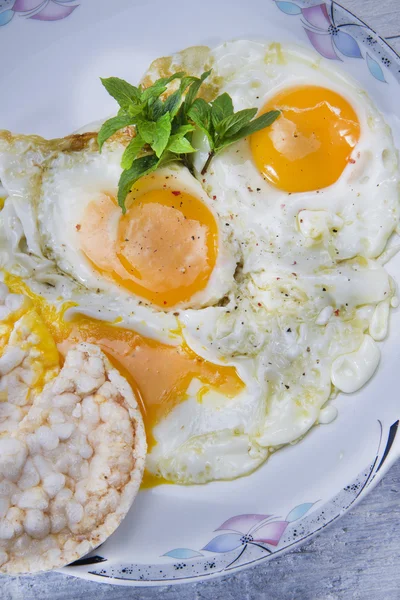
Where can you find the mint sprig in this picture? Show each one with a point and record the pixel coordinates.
(223, 126)
(164, 127)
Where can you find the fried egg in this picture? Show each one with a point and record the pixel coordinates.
(168, 249)
(328, 162)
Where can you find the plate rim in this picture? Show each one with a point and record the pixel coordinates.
(392, 457)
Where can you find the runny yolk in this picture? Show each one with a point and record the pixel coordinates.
(158, 373)
(310, 144)
(163, 249)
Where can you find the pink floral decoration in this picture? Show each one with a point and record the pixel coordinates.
(322, 43)
(330, 39)
(44, 10)
(53, 11)
(317, 16)
(27, 5)
(270, 533)
(242, 523)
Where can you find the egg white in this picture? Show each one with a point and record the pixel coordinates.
(298, 299)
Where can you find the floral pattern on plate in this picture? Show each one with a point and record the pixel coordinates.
(40, 10)
(243, 531)
(245, 539)
(329, 38)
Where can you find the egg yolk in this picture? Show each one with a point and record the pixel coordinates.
(40, 346)
(310, 144)
(158, 373)
(163, 249)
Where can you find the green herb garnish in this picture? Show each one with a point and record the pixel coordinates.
(223, 126)
(164, 127)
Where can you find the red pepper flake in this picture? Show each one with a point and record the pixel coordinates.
(337, 312)
(78, 227)
(283, 205)
(295, 262)
(259, 303)
(278, 278)
(176, 192)
(352, 161)
(165, 302)
(214, 197)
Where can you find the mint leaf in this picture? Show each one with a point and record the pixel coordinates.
(221, 107)
(159, 87)
(200, 113)
(155, 109)
(112, 126)
(179, 75)
(161, 134)
(167, 157)
(223, 103)
(261, 122)
(172, 103)
(140, 167)
(194, 90)
(124, 93)
(131, 151)
(147, 130)
(184, 129)
(154, 91)
(231, 125)
(180, 145)
(237, 126)
(186, 81)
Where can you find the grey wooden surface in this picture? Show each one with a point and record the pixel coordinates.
(357, 558)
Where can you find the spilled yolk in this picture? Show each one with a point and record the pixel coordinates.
(158, 373)
(163, 249)
(38, 343)
(44, 356)
(310, 144)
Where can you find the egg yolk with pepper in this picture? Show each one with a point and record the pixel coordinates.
(163, 249)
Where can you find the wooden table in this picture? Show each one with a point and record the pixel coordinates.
(357, 558)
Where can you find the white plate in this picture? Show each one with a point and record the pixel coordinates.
(54, 52)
